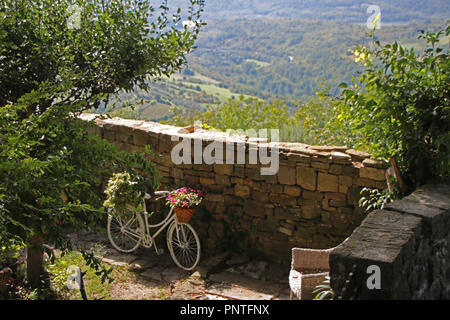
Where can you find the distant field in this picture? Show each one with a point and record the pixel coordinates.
(196, 76)
(208, 85)
(259, 63)
(222, 94)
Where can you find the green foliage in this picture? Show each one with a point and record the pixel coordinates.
(375, 199)
(312, 122)
(50, 167)
(399, 106)
(123, 190)
(94, 286)
(9, 252)
(118, 46)
(324, 291)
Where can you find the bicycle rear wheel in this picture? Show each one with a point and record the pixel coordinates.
(184, 245)
(125, 231)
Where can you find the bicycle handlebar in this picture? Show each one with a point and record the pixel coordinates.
(157, 196)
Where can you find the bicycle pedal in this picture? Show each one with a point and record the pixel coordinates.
(159, 252)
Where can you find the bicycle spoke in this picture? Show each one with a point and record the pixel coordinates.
(184, 246)
(124, 233)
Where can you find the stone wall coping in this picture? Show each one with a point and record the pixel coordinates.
(338, 154)
(398, 218)
(408, 240)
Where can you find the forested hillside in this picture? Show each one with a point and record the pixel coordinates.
(286, 58)
(353, 11)
(264, 58)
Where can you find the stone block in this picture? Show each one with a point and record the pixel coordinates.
(223, 169)
(373, 173)
(316, 195)
(306, 178)
(292, 191)
(214, 197)
(207, 181)
(271, 179)
(239, 172)
(260, 196)
(335, 169)
(255, 209)
(380, 164)
(350, 171)
(358, 155)
(353, 195)
(321, 166)
(287, 175)
(365, 182)
(242, 191)
(335, 196)
(223, 180)
(310, 212)
(327, 182)
(345, 181)
(285, 231)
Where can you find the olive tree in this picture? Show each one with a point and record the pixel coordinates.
(59, 58)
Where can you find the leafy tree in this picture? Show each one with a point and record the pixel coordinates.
(50, 72)
(311, 122)
(400, 107)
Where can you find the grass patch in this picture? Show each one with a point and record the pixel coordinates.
(94, 287)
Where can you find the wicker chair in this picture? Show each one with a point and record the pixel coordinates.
(309, 269)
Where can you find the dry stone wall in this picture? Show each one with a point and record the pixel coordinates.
(311, 202)
(409, 241)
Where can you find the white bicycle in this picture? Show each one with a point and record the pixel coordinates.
(128, 230)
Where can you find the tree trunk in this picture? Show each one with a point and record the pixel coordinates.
(398, 176)
(35, 261)
(5, 276)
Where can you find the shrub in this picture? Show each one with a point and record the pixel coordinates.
(399, 106)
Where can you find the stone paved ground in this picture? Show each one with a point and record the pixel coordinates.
(226, 276)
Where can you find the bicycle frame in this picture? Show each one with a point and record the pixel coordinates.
(182, 240)
(147, 238)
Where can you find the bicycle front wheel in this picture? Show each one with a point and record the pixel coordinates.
(184, 245)
(125, 231)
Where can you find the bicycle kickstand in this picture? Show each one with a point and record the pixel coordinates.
(158, 251)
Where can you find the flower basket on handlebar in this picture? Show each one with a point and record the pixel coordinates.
(184, 215)
(184, 201)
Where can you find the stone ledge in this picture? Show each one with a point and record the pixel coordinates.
(408, 241)
(293, 151)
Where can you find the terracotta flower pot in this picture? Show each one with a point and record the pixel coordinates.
(184, 215)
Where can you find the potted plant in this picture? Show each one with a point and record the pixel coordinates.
(184, 201)
(124, 193)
